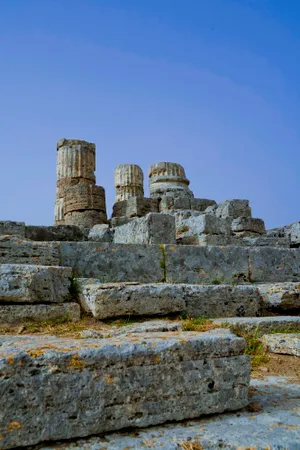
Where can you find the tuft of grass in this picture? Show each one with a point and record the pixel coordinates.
(190, 445)
(217, 281)
(285, 331)
(200, 324)
(254, 348)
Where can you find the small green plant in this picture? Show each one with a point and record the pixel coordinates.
(74, 287)
(163, 262)
(254, 347)
(237, 278)
(217, 281)
(198, 324)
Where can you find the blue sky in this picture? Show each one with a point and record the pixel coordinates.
(211, 84)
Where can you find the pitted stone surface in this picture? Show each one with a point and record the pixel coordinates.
(154, 228)
(14, 250)
(200, 204)
(84, 197)
(267, 264)
(195, 227)
(8, 227)
(242, 224)
(233, 209)
(13, 314)
(101, 233)
(69, 388)
(85, 219)
(34, 284)
(264, 241)
(75, 159)
(287, 344)
(106, 300)
(261, 325)
(293, 232)
(275, 426)
(134, 207)
(129, 182)
(167, 178)
(280, 296)
(202, 264)
(112, 262)
(55, 233)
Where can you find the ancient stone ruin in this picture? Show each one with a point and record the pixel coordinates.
(146, 317)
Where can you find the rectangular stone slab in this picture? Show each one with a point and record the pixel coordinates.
(53, 388)
(20, 314)
(280, 297)
(113, 262)
(268, 264)
(15, 250)
(286, 344)
(23, 283)
(9, 227)
(261, 325)
(193, 264)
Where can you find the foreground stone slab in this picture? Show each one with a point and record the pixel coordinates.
(23, 283)
(112, 262)
(55, 233)
(113, 300)
(14, 314)
(280, 297)
(261, 325)
(8, 227)
(15, 250)
(154, 228)
(193, 264)
(71, 388)
(268, 264)
(275, 425)
(287, 344)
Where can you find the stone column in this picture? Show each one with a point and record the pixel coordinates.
(129, 182)
(166, 178)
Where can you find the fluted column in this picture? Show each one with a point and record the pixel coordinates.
(129, 182)
(167, 178)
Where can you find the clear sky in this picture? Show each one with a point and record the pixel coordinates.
(210, 84)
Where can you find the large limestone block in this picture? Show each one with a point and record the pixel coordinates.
(221, 300)
(293, 232)
(175, 203)
(280, 296)
(14, 250)
(287, 344)
(55, 233)
(129, 182)
(233, 209)
(65, 388)
(8, 227)
(85, 219)
(196, 225)
(154, 228)
(31, 283)
(264, 241)
(135, 207)
(84, 197)
(267, 264)
(20, 314)
(261, 325)
(108, 300)
(101, 233)
(113, 263)
(200, 204)
(243, 224)
(203, 264)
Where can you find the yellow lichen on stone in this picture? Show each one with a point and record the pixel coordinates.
(10, 360)
(76, 363)
(35, 353)
(14, 425)
(109, 379)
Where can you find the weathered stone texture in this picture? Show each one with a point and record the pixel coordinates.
(261, 325)
(107, 300)
(129, 182)
(85, 197)
(30, 283)
(264, 241)
(201, 204)
(280, 297)
(69, 388)
(248, 224)
(85, 219)
(293, 231)
(166, 178)
(197, 264)
(8, 227)
(20, 314)
(101, 233)
(113, 263)
(267, 264)
(287, 344)
(154, 228)
(135, 207)
(205, 224)
(233, 209)
(14, 250)
(75, 159)
(55, 233)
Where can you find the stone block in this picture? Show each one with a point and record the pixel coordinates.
(201, 204)
(286, 344)
(263, 241)
(14, 250)
(55, 233)
(211, 209)
(248, 224)
(114, 263)
(108, 300)
(85, 219)
(293, 231)
(280, 297)
(20, 283)
(101, 233)
(118, 221)
(69, 388)
(84, 197)
(199, 264)
(174, 203)
(221, 300)
(8, 227)
(21, 314)
(154, 228)
(261, 325)
(233, 209)
(135, 207)
(267, 264)
(195, 227)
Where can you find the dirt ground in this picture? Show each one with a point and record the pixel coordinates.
(280, 366)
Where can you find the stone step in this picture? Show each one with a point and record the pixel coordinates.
(16, 250)
(55, 388)
(23, 283)
(107, 300)
(24, 313)
(261, 325)
(285, 343)
(280, 297)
